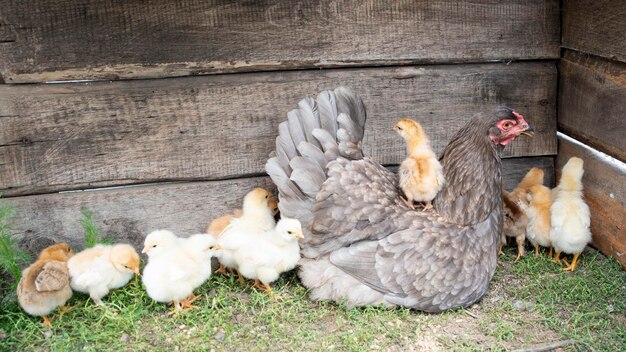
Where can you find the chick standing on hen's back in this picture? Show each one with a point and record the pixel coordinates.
(45, 284)
(99, 269)
(421, 174)
(570, 214)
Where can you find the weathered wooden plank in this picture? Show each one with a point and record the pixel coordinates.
(596, 27)
(129, 213)
(592, 102)
(603, 183)
(84, 135)
(46, 40)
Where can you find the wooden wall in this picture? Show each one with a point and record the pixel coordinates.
(183, 98)
(592, 111)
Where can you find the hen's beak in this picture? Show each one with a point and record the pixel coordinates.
(529, 132)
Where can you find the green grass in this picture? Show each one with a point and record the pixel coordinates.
(92, 232)
(587, 306)
(12, 258)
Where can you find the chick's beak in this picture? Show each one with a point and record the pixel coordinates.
(144, 250)
(136, 271)
(299, 235)
(217, 247)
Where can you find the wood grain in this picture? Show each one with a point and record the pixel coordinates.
(592, 102)
(83, 135)
(605, 194)
(127, 214)
(50, 40)
(596, 27)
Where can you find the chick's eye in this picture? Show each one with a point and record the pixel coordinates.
(399, 128)
(290, 232)
(153, 246)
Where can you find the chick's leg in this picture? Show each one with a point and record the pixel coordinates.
(186, 303)
(550, 252)
(408, 201)
(221, 270)
(46, 321)
(572, 266)
(520, 248)
(176, 309)
(536, 250)
(428, 205)
(557, 257)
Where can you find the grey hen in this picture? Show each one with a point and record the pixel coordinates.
(362, 244)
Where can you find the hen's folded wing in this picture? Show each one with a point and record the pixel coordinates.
(420, 267)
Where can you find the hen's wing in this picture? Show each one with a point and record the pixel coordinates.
(421, 268)
(52, 277)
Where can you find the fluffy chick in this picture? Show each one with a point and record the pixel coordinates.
(570, 214)
(421, 174)
(515, 222)
(257, 217)
(176, 266)
(45, 284)
(534, 176)
(218, 225)
(271, 253)
(99, 269)
(538, 211)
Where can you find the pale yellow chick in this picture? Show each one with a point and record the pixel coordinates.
(534, 176)
(421, 174)
(515, 222)
(257, 218)
(45, 284)
(98, 270)
(538, 211)
(570, 214)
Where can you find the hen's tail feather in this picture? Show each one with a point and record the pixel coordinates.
(319, 131)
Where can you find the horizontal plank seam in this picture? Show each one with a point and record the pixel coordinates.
(505, 61)
(616, 163)
(581, 52)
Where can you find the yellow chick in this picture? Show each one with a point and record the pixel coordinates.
(176, 266)
(421, 174)
(534, 176)
(538, 211)
(271, 253)
(99, 269)
(257, 217)
(570, 214)
(45, 284)
(515, 222)
(218, 225)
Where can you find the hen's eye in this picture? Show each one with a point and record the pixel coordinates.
(506, 125)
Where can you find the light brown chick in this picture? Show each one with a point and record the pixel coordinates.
(533, 177)
(515, 222)
(421, 174)
(218, 225)
(538, 211)
(45, 284)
